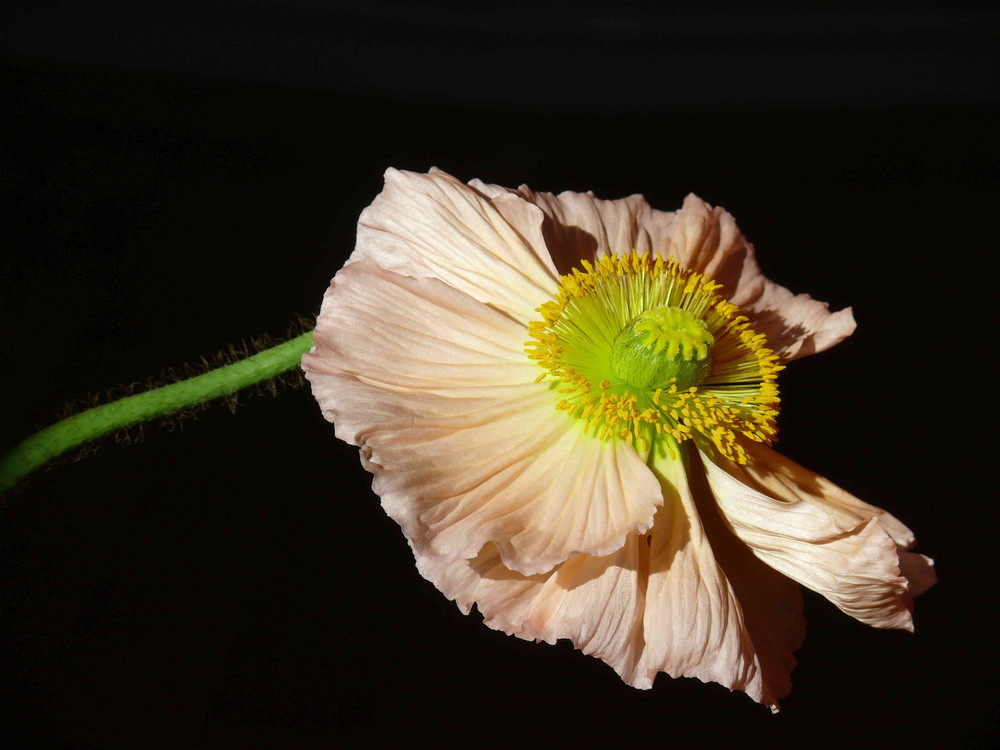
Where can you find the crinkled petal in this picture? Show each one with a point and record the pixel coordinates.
(466, 448)
(596, 602)
(771, 605)
(779, 477)
(918, 570)
(696, 624)
(406, 334)
(433, 226)
(579, 226)
(515, 472)
(856, 568)
(660, 603)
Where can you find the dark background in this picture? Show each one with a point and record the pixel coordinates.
(182, 176)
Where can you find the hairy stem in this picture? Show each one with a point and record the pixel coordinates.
(56, 439)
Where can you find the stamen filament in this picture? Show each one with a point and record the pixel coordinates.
(672, 357)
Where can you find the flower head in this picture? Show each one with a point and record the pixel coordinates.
(567, 404)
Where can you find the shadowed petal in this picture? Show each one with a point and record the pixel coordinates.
(779, 477)
(596, 602)
(697, 622)
(433, 226)
(660, 603)
(706, 239)
(702, 238)
(771, 604)
(579, 226)
(857, 569)
(918, 570)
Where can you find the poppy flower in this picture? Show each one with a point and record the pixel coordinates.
(567, 404)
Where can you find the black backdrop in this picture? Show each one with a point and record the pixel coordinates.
(178, 179)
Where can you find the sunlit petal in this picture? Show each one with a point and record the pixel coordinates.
(466, 448)
(434, 226)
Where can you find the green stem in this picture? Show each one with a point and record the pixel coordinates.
(52, 441)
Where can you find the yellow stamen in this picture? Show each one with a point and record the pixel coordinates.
(639, 348)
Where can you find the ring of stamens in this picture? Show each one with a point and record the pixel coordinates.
(721, 382)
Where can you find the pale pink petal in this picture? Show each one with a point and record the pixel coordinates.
(771, 605)
(918, 570)
(660, 603)
(780, 477)
(706, 239)
(773, 474)
(579, 226)
(401, 333)
(596, 602)
(513, 471)
(433, 226)
(465, 446)
(796, 325)
(695, 623)
(856, 568)
(430, 481)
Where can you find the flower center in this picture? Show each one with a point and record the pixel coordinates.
(662, 346)
(643, 350)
